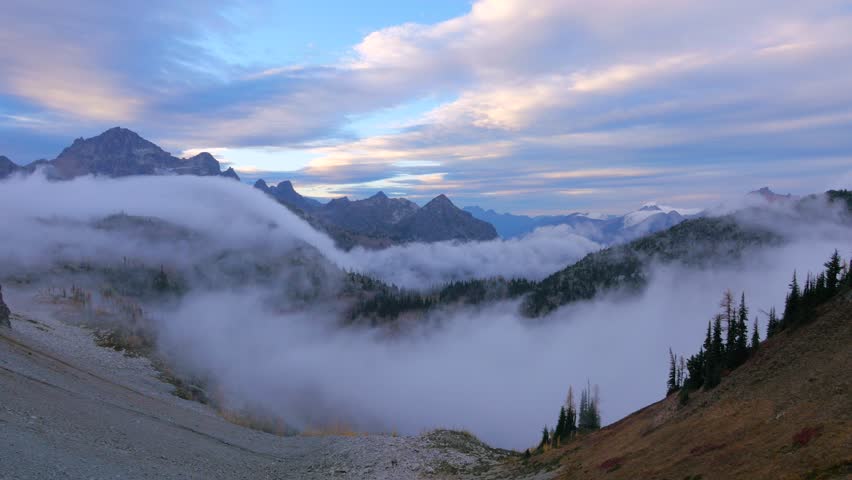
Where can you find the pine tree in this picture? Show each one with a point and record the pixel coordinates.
(833, 268)
(755, 337)
(714, 363)
(741, 348)
(570, 414)
(695, 367)
(730, 327)
(791, 306)
(589, 418)
(671, 385)
(161, 280)
(559, 433)
(545, 438)
(772, 324)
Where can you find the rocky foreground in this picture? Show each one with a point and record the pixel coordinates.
(71, 409)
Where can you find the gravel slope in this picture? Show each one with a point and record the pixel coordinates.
(70, 409)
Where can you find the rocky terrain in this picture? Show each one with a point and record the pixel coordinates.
(71, 409)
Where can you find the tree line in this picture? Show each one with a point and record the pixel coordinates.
(573, 419)
(727, 343)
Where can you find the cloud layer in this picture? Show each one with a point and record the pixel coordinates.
(487, 370)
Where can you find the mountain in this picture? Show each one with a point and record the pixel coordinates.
(604, 229)
(699, 241)
(284, 193)
(511, 226)
(771, 196)
(376, 215)
(119, 152)
(380, 221)
(441, 220)
(7, 167)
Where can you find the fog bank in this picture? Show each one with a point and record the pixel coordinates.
(488, 370)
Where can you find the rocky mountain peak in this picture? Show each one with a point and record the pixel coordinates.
(261, 185)
(7, 167)
(231, 173)
(767, 194)
(336, 202)
(441, 220)
(201, 164)
(650, 207)
(120, 152)
(440, 202)
(285, 186)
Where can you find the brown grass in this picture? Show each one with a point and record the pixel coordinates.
(794, 388)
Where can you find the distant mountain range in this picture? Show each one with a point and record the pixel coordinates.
(380, 221)
(119, 152)
(375, 222)
(605, 229)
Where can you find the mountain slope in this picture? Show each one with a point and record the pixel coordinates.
(441, 220)
(786, 413)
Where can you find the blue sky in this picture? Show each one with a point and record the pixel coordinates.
(545, 107)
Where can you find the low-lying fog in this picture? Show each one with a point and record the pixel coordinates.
(487, 370)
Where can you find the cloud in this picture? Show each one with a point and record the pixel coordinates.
(487, 370)
(555, 87)
(422, 266)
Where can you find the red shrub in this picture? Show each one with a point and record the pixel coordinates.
(702, 449)
(806, 435)
(612, 464)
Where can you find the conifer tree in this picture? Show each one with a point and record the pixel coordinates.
(589, 418)
(695, 367)
(741, 348)
(545, 437)
(833, 269)
(791, 306)
(730, 327)
(671, 384)
(755, 337)
(161, 280)
(772, 324)
(559, 433)
(713, 372)
(570, 414)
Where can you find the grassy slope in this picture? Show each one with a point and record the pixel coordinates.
(798, 383)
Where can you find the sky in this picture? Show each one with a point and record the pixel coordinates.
(545, 107)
